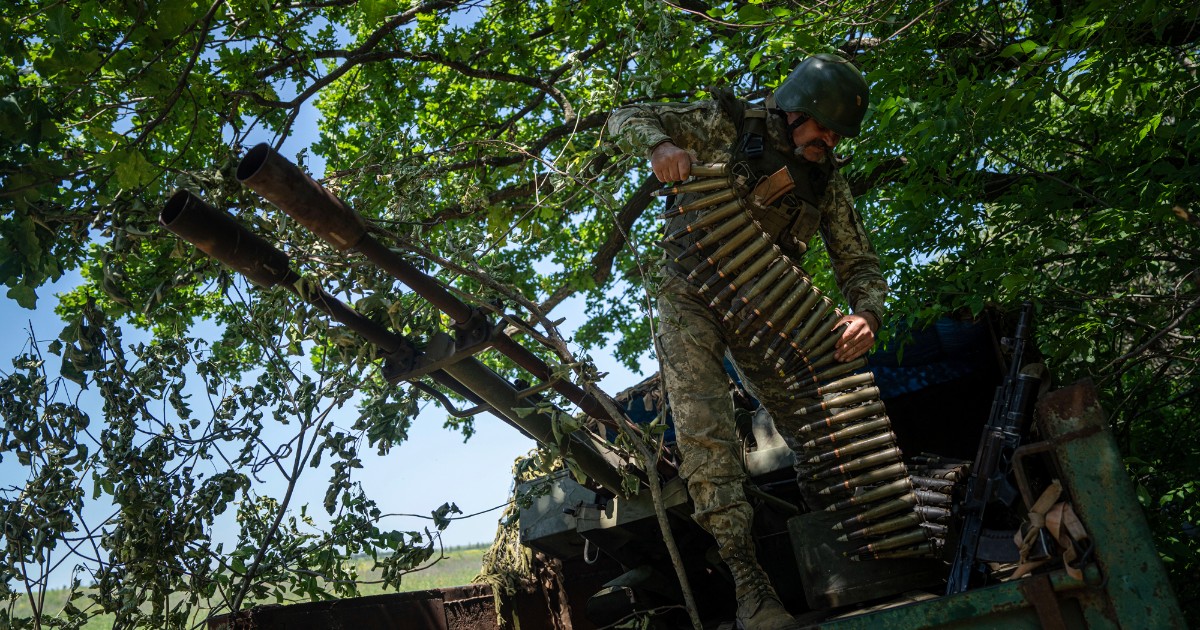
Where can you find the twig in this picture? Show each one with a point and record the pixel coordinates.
(1156, 336)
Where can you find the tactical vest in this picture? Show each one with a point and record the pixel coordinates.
(791, 218)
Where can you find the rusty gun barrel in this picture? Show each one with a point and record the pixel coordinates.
(217, 234)
(283, 184)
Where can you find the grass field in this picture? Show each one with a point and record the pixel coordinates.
(459, 567)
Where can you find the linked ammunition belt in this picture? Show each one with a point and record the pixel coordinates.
(850, 462)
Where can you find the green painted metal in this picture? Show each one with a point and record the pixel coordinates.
(1003, 605)
(1090, 466)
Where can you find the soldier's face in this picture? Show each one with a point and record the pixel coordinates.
(814, 141)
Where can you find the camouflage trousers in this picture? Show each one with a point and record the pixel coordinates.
(692, 343)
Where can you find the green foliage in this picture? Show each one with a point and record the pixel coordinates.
(1015, 150)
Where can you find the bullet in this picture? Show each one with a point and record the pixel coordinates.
(850, 382)
(905, 539)
(830, 338)
(697, 186)
(759, 286)
(719, 169)
(749, 275)
(734, 243)
(900, 504)
(867, 461)
(794, 320)
(820, 349)
(920, 551)
(818, 362)
(784, 314)
(844, 417)
(887, 473)
(786, 284)
(727, 270)
(799, 379)
(890, 525)
(842, 400)
(853, 448)
(924, 550)
(813, 320)
(799, 292)
(727, 211)
(900, 486)
(843, 435)
(710, 241)
(707, 201)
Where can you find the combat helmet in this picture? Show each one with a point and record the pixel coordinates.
(829, 89)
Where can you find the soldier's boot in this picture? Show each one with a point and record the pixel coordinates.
(758, 605)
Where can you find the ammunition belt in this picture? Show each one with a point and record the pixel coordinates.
(850, 461)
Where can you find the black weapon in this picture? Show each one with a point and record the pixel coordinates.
(993, 462)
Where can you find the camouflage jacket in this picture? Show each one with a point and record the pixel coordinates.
(706, 131)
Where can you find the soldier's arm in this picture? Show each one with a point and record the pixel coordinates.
(672, 135)
(855, 266)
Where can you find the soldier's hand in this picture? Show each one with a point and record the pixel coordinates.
(670, 163)
(856, 339)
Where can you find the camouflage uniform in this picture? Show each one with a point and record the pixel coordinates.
(692, 339)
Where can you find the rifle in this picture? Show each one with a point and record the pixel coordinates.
(988, 482)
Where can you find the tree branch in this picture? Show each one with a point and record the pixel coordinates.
(602, 262)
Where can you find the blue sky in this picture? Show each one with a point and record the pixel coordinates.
(433, 467)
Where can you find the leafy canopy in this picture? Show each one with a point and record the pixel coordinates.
(1014, 150)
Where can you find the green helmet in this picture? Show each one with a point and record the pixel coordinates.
(828, 88)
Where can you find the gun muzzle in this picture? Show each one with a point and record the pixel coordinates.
(217, 234)
(290, 189)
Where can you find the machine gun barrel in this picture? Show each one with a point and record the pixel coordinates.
(282, 183)
(220, 236)
(1002, 435)
(223, 238)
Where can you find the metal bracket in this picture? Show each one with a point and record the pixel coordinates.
(440, 352)
(470, 337)
(472, 334)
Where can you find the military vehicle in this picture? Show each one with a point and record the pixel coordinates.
(1010, 506)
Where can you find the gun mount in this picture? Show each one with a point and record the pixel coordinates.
(608, 541)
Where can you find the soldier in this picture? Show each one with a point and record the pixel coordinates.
(821, 101)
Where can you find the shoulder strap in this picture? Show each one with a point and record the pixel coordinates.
(751, 125)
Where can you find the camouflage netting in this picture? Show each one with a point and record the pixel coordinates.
(511, 569)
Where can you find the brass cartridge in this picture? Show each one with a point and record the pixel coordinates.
(712, 239)
(734, 243)
(887, 473)
(844, 417)
(843, 400)
(862, 463)
(850, 382)
(696, 186)
(760, 285)
(890, 525)
(854, 430)
(900, 486)
(860, 446)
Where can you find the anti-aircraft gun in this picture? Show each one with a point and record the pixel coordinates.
(865, 540)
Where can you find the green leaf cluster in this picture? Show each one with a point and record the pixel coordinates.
(1013, 151)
